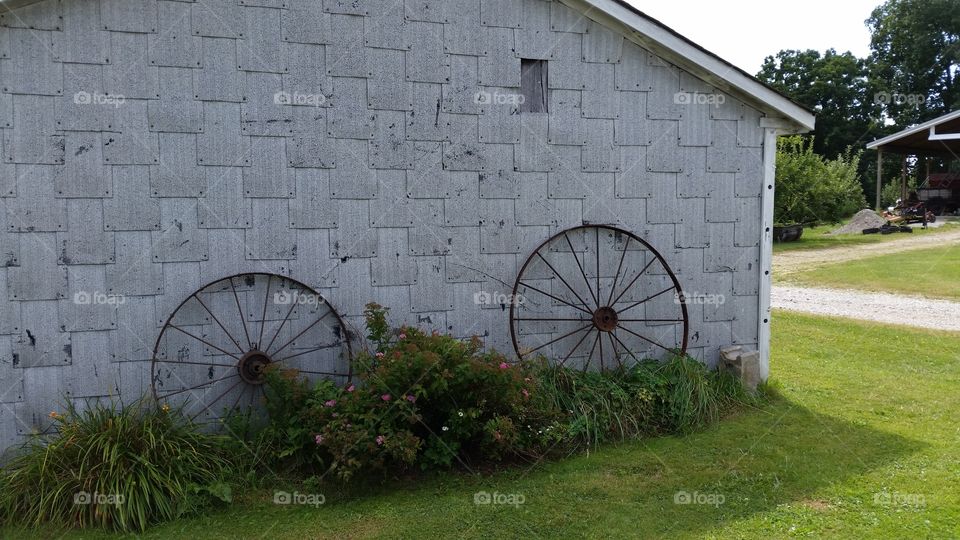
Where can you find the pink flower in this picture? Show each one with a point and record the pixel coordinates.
(504, 365)
(403, 336)
(412, 399)
(380, 440)
(335, 415)
(330, 403)
(386, 397)
(379, 355)
(351, 388)
(319, 439)
(436, 332)
(525, 393)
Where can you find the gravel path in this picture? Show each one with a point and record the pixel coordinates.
(870, 306)
(794, 261)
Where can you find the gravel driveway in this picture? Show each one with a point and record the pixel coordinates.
(789, 262)
(870, 306)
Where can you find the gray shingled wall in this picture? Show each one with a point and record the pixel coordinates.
(144, 154)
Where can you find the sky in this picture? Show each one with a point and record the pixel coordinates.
(744, 32)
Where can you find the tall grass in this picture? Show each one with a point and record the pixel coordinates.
(675, 396)
(114, 467)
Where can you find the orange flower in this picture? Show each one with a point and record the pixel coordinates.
(53, 414)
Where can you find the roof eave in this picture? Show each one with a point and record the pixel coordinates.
(688, 55)
(913, 130)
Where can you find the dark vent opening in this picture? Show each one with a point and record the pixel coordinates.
(533, 86)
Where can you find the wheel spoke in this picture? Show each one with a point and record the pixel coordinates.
(306, 352)
(293, 304)
(600, 337)
(627, 288)
(243, 320)
(555, 298)
(643, 338)
(623, 256)
(586, 364)
(651, 297)
(563, 280)
(596, 300)
(314, 323)
(263, 317)
(546, 319)
(193, 363)
(320, 372)
(235, 342)
(597, 234)
(203, 341)
(624, 345)
(218, 398)
(215, 381)
(556, 340)
(237, 402)
(652, 320)
(569, 354)
(613, 346)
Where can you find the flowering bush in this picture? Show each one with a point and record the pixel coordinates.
(432, 401)
(421, 399)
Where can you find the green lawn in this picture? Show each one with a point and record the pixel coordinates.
(817, 238)
(933, 273)
(863, 443)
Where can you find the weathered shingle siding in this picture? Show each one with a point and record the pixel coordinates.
(144, 153)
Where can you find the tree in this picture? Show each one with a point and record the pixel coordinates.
(811, 189)
(836, 87)
(916, 58)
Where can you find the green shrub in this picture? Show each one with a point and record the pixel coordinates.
(420, 400)
(429, 401)
(811, 189)
(114, 467)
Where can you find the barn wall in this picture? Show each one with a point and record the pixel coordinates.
(144, 153)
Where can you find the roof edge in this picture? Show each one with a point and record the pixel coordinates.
(913, 130)
(652, 33)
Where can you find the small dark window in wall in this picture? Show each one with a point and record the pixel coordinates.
(533, 86)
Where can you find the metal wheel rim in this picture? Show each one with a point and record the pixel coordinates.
(602, 317)
(246, 352)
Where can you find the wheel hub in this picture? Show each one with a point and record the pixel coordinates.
(252, 367)
(605, 319)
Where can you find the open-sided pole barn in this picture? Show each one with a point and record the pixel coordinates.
(192, 190)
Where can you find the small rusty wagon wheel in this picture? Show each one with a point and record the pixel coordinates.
(596, 296)
(213, 353)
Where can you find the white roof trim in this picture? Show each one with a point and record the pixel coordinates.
(683, 48)
(914, 130)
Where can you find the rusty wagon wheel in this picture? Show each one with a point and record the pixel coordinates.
(213, 353)
(596, 296)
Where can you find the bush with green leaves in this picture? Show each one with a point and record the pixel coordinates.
(429, 401)
(114, 467)
(811, 189)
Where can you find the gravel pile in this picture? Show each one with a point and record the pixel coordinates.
(864, 219)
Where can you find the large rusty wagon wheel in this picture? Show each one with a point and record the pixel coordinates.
(596, 296)
(213, 354)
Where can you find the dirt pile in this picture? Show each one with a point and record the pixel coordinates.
(864, 219)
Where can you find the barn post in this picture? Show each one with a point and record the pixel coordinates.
(766, 246)
(879, 175)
